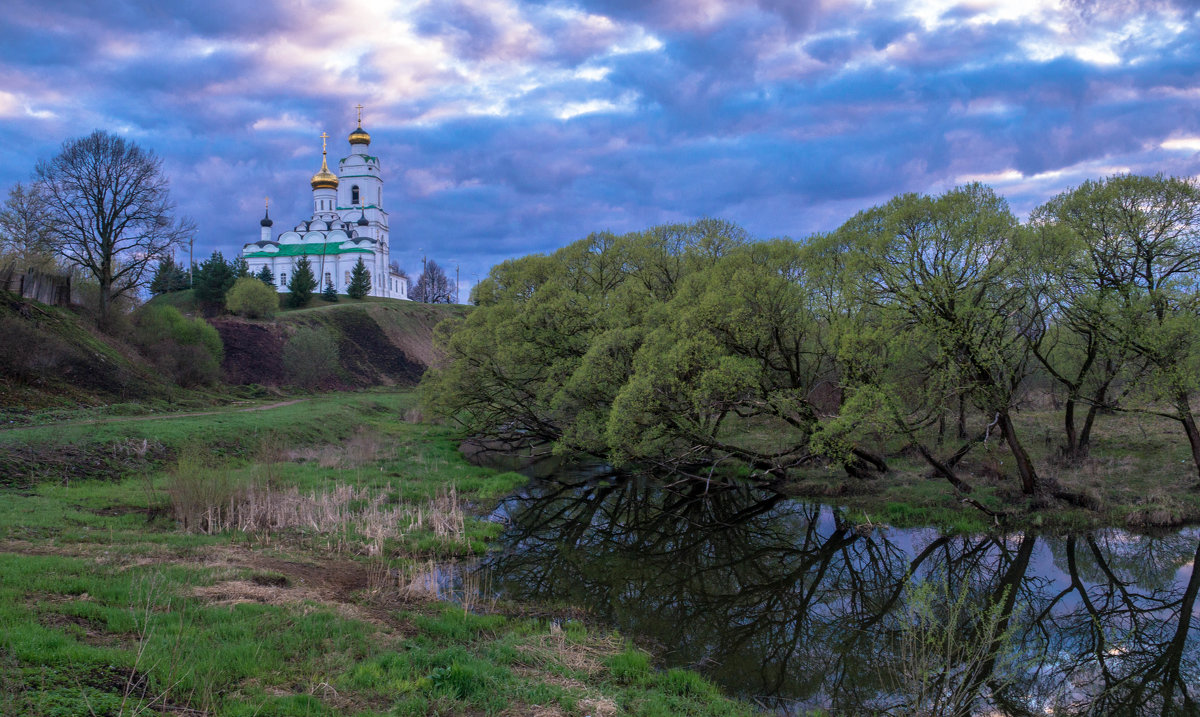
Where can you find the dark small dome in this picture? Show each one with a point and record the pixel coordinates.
(362, 221)
(266, 220)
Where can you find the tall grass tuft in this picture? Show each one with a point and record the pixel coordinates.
(207, 497)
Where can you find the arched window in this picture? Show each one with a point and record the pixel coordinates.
(354, 194)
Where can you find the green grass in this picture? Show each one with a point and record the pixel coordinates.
(108, 607)
(1138, 475)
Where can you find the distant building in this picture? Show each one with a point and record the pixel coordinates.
(348, 222)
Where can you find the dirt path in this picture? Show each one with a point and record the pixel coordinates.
(157, 417)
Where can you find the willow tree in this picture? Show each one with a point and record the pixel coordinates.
(552, 337)
(738, 368)
(944, 274)
(1142, 238)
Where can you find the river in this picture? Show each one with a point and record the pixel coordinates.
(785, 604)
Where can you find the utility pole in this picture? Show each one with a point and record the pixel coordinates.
(456, 282)
(191, 260)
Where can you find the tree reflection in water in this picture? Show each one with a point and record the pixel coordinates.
(783, 602)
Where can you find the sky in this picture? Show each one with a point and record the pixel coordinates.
(506, 128)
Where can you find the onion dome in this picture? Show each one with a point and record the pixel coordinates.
(362, 221)
(266, 220)
(360, 136)
(324, 179)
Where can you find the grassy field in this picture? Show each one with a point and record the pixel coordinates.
(290, 561)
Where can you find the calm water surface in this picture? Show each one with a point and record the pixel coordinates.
(783, 603)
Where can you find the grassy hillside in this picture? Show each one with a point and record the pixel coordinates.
(381, 342)
(51, 358)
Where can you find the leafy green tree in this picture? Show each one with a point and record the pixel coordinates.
(168, 277)
(251, 298)
(552, 339)
(301, 284)
(740, 346)
(329, 294)
(1141, 236)
(360, 280)
(214, 277)
(266, 276)
(945, 275)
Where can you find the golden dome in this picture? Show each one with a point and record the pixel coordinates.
(359, 135)
(324, 179)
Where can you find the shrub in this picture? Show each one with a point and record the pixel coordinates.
(187, 350)
(251, 298)
(310, 356)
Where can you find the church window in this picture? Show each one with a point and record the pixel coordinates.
(354, 194)
(379, 202)
(328, 279)
(283, 278)
(347, 278)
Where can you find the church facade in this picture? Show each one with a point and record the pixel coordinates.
(348, 223)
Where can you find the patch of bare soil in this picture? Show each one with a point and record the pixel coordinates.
(338, 584)
(253, 351)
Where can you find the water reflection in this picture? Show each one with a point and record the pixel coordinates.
(783, 602)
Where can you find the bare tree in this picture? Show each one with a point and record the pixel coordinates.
(25, 225)
(112, 212)
(433, 286)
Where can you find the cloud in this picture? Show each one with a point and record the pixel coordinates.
(508, 127)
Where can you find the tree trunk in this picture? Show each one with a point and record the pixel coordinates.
(1085, 434)
(1071, 450)
(962, 417)
(1025, 469)
(1184, 407)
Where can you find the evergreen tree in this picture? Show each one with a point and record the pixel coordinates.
(213, 278)
(302, 283)
(266, 276)
(330, 293)
(360, 280)
(168, 276)
(239, 267)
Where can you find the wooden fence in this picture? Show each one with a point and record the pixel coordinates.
(37, 285)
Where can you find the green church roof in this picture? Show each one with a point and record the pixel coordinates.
(323, 249)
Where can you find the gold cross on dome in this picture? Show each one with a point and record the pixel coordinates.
(267, 202)
(359, 108)
(324, 137)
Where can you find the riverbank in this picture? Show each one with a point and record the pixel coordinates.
(1137, 475)
(283, 561)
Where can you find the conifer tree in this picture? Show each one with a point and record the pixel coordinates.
(360, 280)
(330, 293)
(213, 278)
(168, 276)
(266, 276)
(302, 283)
(239, 267)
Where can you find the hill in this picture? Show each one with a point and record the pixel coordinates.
(50, 357)
(382, 342)
(53, 360)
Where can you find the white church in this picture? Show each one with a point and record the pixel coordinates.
(348, 222)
